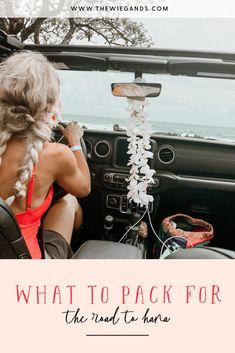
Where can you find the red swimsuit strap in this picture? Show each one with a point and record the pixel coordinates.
(30, 189)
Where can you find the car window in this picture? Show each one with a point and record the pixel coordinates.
(187, 106)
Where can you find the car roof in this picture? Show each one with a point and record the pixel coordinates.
(132, 59)
(141, 60)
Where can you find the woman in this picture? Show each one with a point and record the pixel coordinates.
(30, 163)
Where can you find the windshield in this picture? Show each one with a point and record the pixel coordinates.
(187, 106)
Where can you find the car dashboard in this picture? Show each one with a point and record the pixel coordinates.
(192, 176)
(177, 161)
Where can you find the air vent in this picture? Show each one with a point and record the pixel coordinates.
(166, 154)
(102, 149)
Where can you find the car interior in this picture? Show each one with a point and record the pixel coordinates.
(193, 175)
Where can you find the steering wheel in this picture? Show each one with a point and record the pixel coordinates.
(59, 192)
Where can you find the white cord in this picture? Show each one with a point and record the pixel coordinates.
(133, 226)
(60, 139)
(146, 210)
(172, 237)
(164, 243)
(157, 236)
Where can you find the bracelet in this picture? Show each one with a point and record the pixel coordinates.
(76, 148)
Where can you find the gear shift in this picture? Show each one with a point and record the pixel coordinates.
(140, 231)
(133, 234)
(108, 225)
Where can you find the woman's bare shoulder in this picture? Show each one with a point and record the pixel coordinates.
(57, 155)
(54, 149)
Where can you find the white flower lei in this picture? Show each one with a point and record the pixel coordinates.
(139, 131)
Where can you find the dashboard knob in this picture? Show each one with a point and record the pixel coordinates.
(113, 201)
(107, 177)
(108, 222)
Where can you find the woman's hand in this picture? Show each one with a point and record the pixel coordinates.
(73, 133)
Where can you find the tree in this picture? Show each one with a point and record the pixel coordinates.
(121, 32)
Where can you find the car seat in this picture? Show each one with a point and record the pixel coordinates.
(202, 253)
(12, 244)
(102, 249)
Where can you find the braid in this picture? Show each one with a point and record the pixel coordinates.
(4, 138)
(34, 145)
(29, 89)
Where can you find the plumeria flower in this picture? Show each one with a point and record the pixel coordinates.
(149, 154)
(134, 169)
(139, 132)
(133, 160)
(53, 117)
(145, 169)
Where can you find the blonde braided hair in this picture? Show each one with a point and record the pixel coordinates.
(29, 88)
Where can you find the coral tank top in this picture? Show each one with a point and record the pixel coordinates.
(30, 220)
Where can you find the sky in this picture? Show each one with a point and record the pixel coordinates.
(183, 99)
(192, 33)
(187, 33)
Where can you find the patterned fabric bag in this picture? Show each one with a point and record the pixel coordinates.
(182, 231)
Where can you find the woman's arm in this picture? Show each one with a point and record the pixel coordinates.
(73, 173)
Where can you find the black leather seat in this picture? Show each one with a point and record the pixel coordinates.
(12, 244)
(101, 249)
(198, 253)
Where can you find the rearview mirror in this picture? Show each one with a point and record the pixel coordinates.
(136, 90)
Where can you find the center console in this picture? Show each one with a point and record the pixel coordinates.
(116, 199)
(108, 161)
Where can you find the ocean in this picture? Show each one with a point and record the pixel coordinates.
(174, 129)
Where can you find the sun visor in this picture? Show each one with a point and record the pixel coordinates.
(135, 64)
(65, 61)
(203, 69)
